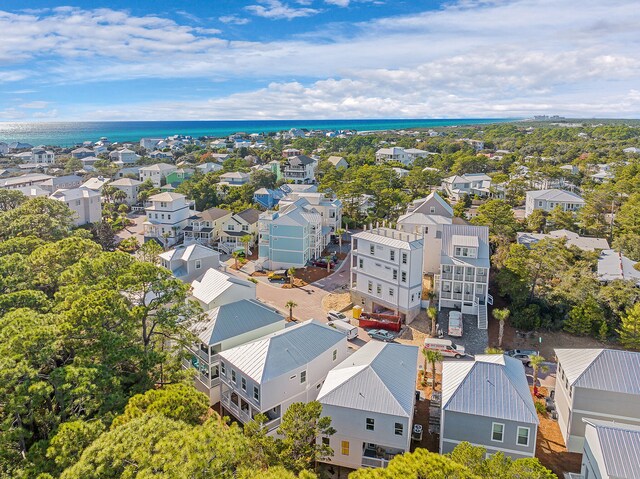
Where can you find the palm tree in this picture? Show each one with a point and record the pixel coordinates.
(291, 304)
(432, 313)
(119, 196)
(291, 272)
(433, 357)
(537, 366)
(246, 241)
(339, 232)
(166, 235)
(108, 191)
(236, 255)
(328, 260)
(501, 315)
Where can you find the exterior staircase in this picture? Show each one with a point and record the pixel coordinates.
(482, 316)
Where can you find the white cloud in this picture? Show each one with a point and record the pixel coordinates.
(234, 20)
(503, 57)
(276, 10)
(35, 105)
(339, 3)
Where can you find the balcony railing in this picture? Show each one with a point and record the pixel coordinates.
(447, 275)
(374, 462)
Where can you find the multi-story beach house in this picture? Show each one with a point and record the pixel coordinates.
(463, 282)
(217, 288)
(547, 200)
(299, 169)
(83, 202)
(267, 375)
(386, 271)
(238, 226)
(157, 173)
(130, 187)
(370, 398)
(206, 227)
(223, 328)
(394, 153)
(188, 262)
(329, 208)
(167, 215)
(472, 184)
(291, 236)
(124, 156)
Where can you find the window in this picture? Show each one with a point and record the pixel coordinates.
(369, 286)
(198, 264)
(497, 432)
(168, 217)
(398, 429)
(256, 393)
(303, 377)
(378, 289)
(392, 255)
(360, 263)
(325, 441)
(335, 354)
(432, 209)
(370, 424)
(345, 448)
(233, 375)
(391, 292)
(413, 297)
(404, 258)
(403, 277)
(372, 249)
(395, 274)
(245, 227)
(243, 382)
(230, 227)
(523, 436)
(223, 369)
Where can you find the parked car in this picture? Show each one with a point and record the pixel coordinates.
(346, 328)
(524, 355)
(455, 324)
(381, 335)
(445, 346)
(278, 275)
(321, 263)
(337, 316)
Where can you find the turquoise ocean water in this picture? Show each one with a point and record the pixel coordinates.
(72, 133)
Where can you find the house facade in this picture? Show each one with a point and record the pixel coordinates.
(225, 327)
(487, 402)
(188, 262)
(370, 398)
(291, 236)
(473, 184)
(611, 450)
(547, 200)
(463, 282)
(206, 227)
(167, 215)
(217, 288)
(395, 153)
(124, 156)
(30, 179)
(84, 203)
(157, 173)
(130, 187)
(299, 169)
(602, 384)
(238, 226)
(329, 208)
(234, 178)
(386, 271)
(266, 376)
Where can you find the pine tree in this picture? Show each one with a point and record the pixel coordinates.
(630, 329)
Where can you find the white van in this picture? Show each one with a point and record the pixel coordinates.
(455, 324)
(346, 328)
(445, 346)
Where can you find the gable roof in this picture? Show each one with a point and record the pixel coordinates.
(159, 167)
(334, 160)
(620, 447)
(214, 283)
(300, 160)
(555, 195)
(167, 197)
(379, 377)
(250, 215)
(494, 385)
(233, 319)
(603, 369)
(284, 351)
(187, 253)
(391, 237)
(212, 214)
(126, 182)
(613, 265)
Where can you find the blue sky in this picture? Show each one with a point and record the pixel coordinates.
(314, 59)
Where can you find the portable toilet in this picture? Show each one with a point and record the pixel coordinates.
(357, 311)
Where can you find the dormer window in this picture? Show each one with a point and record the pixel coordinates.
(465, 252)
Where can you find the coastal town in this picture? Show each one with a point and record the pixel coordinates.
(362, 304)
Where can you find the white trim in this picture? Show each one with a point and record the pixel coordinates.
(502, 434)
(488, 446)
(612, 416)
(518, 435)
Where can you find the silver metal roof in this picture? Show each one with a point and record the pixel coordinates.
(214, 283)
(604, 369)
(233, 319)
(379, 377)
(620, 447)
(284, 351)
(493, 386)
(391, 237)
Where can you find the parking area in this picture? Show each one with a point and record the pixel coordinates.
(474, 340)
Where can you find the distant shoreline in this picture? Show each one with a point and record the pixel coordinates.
(67, 134)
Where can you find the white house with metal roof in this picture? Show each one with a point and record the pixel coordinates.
(572, 239)
(217, 288)
(188, 262)
(224, 327)
(471, 184)
(268, 375)
(463, 282)
(394, 153)
(595, 384)
(611, 450)
(547, 200)
(157, 173)
(130, 188)
(487, 402)
(370, 398)
(83, 202)
(386, 271)
(167, 215)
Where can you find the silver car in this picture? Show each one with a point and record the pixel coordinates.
(523, 355)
